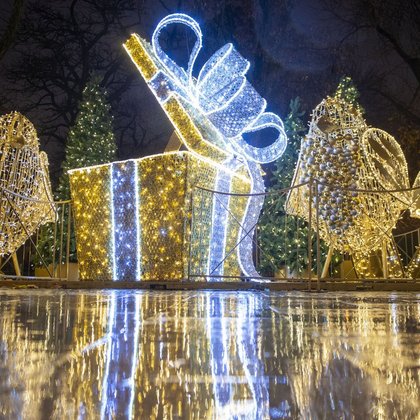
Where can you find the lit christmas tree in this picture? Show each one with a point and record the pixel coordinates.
(348, 91)
(91, 141)
(280, 240)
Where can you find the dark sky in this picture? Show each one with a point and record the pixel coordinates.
(296, 48)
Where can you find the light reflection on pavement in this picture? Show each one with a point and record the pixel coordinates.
(208, 355)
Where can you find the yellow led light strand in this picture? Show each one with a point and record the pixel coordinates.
(354, 222)
(25, 190)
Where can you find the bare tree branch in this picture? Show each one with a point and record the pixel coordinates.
(8, 37)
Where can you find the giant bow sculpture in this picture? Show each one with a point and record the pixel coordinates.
(210, 114)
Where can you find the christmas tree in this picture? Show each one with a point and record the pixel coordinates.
(281, 240)
(347, 91)
(90, 142)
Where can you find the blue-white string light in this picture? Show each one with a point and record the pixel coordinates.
(223, 95)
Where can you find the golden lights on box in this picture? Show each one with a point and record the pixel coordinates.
(132, 220)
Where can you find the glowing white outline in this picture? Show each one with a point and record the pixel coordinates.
(276, 149)
(191, 23)
(111, 186)
(137, 219)
(188, 152)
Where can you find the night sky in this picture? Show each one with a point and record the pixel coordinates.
(296, 48)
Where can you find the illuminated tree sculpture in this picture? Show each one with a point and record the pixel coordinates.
(343, 155)
(210, 114)
(25, 193)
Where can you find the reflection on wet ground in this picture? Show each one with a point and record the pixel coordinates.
(208, 355)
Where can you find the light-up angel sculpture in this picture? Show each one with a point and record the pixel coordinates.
(26, 200)
(210, 114)
(343, 155)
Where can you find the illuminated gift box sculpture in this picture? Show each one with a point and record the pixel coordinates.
(133, 218)
(343, 153)
(25, 192)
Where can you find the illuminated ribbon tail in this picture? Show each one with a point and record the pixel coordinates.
(220, 216)
(250, 220)
(253, 157)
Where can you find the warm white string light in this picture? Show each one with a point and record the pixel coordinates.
(350, 162)
(25, 192)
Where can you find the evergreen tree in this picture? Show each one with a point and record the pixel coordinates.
(295, 129)
(91, 140)
(348, 91)
(281, 240)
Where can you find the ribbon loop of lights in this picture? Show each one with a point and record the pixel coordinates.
(26, 200)
(343, 155)
(210, 114)
(221, 92)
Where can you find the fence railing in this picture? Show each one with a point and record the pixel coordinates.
(46, 247)
(299, 244)
(313, 231)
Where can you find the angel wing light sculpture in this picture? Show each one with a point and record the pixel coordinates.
(344, 155)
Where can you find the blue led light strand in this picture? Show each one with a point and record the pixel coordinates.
(125, 221)
(137, 220)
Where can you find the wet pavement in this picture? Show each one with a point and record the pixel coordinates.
(208, 355)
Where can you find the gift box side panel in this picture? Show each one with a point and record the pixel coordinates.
(92, 200)
(199, 204)
(198, 235)
(162, 190)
